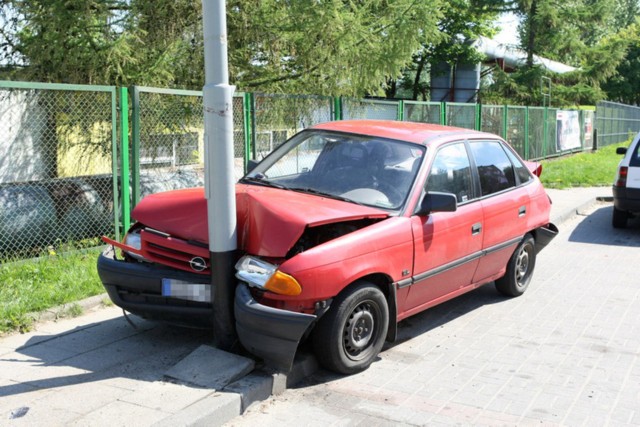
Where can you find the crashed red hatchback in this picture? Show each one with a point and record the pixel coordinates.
(343, 231)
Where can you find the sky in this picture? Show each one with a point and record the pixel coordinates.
(509, 33)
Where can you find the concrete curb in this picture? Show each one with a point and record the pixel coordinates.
(233, 400)
(62, 311)
(570, 213)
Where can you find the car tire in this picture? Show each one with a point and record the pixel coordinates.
(350, 335)
(619, 218)
(519, 269)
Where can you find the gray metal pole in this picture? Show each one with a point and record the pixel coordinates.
(219, 168)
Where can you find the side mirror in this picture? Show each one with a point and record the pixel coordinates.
(434, 201)
(621, 150)
(251, 165)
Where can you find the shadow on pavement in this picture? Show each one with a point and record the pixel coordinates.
(424, 322)
(596, 228)
(111, 351)
(444, 313)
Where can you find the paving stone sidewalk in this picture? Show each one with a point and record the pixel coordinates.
(98, 370)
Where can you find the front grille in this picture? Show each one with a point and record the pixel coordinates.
(174, 252)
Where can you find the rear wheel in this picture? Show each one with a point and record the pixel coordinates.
(519, 269)
(350, 335)
(619, 218)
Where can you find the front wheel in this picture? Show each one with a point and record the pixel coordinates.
(519, 269)
(350, 335)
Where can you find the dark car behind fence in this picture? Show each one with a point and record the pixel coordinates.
(65, 150)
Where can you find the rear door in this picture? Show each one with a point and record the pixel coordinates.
(505, 204)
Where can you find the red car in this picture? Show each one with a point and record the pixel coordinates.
(343, 231)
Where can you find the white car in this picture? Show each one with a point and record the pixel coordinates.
(626, 188)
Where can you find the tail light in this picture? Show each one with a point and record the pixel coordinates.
(621, 181)
(534, 167)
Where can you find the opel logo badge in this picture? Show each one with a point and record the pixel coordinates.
(198, 264)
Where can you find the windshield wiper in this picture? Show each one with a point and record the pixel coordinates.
(259, 179)
(324, 194)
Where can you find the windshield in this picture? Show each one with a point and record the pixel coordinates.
(361, 169)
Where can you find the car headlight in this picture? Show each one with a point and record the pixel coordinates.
(260, 274)
(133, 240)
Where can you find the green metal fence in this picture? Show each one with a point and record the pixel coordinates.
(423, 112)
(275, 118)
(616, 122)
(370, 109)
(66, 150)
(59, 151)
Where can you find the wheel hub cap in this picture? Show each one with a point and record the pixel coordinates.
(522, 265)
(359, 330)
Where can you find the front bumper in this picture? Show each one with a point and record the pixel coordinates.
(137, 288)
(268, 332)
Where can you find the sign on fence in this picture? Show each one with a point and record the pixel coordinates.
(568, 130)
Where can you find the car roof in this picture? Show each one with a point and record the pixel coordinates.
(401, 130)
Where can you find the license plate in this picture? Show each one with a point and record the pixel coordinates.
(185, 290)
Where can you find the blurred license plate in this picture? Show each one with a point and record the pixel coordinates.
(185, 290)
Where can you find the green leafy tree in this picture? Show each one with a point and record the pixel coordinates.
(462, 22)
(323, 47)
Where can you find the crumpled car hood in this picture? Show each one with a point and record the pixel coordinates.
(270, 220)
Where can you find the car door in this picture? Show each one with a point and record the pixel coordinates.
(447, 244)
(505, 204)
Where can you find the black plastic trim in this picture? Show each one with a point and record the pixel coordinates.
(447, 267)
(268, 332)
(143, 282)
(544, 235)
(626, 199)
(502, 246)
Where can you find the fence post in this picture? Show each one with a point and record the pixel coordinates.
(135, 145)
(545, 130)
(246, 112)
(443, 113)
(478, 116)
(114, 161)
(253, 123)
(124, 158)
(527, 155)
(337, 108)
(400, 115)
(505, 121)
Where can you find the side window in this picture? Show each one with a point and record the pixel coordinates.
(635, 157)
(451, 172)
(522, 172)
(494, 167)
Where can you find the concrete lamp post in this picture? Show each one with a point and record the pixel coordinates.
(219, 168)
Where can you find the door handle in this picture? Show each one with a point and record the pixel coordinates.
(522, 211)
(475, 228)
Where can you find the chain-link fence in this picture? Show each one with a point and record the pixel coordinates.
(423, 112)
(167, 149)
(277, 118)
(616, 122)
(369, 109)
(56, 175)
(461, 115)
(59, 145)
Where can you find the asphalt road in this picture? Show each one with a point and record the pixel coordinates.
(565, 353)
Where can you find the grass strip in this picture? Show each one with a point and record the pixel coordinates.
(586, 169)
(38, 284)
